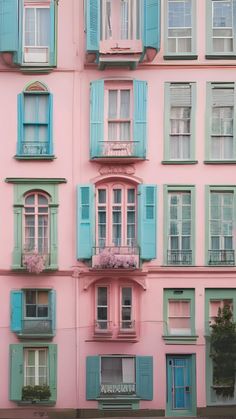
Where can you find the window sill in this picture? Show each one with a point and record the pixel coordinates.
(24, 270)
(35, 157)
(220, 56)
(36, 68)
(25, 336)
(36, 402)
(219, 161)
(180, 57)
(179, 162)
(178, 340)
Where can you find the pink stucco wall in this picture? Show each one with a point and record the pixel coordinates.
(69, 83)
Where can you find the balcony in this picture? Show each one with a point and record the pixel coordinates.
(103, 329)
(221, 257)
(119, 150)
(179, 257)
(36, 327)
(118, 389)
(115, 257)
(33, 148)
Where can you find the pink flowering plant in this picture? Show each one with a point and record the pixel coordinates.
(110, 260)
(34, 262)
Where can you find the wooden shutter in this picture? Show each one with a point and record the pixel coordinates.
(92, 377)
(85, 221)
(93, 25)
(151, 24)
(16, 310)
(8, 25)
(147, 208)
(96, 117)
(144, 377)
(140, 117)
(16, 371)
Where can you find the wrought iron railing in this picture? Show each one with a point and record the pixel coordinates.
(119, 149)
(179, 257)
(119, 388)
(37, 326)
(102, 326)
(29, 148)
(127, 326)
(221, 257)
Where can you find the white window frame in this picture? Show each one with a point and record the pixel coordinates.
(36, 365)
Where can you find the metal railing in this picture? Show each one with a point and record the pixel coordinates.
(119, 388)
(221, 257)
(179, 257)
(37, 326)
(37, 148)
(102, 326)
(127, 326)
(119, 149)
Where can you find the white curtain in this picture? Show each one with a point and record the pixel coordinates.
(37, 27)
(128, 370)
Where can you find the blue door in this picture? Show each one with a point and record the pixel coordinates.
(181, 385)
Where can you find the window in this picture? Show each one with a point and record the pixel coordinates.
(106, 320)
(122, 375)
(29, 32)
(120, 19)
(215, 299)
(33, 365)
(120, 201)
(221, 23)
(180, 28)
(179, 315)
(180, 240)
(109, 222)
(220, 122)
(122, 31)
(33, 313)
(35, 219)
(179, 121)
(221, 220)
(36, 222)
(118, 119)
(35, 123)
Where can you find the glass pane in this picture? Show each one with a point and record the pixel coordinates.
(30, 297)
(42, 133)
(43, 108)
(30, 357)
(42, 312)
(42, 200)
(43, 27)
(179, 13)
(30, 311)
(42, 357)
(131, 196)
(30, 108)
(102, 313)
(112, 131)
(112, 104)
(124, 131)
(102, 296)
(117, 196)
(102, 196)
(43, 297)
(29, 26)
(124, 104)
(126, 296)
(222, 13)
(111, 370)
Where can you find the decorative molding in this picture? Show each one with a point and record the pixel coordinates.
(28, 180)
(117, 170)
(118, 275)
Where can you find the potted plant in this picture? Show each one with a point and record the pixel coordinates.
(36, 393)
(223, 353)
(110, 260)
(34, 262)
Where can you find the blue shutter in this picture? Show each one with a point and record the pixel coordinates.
(52, 49)
(147, 202)
(50, 124)
(16, 371)
(52, 364)
(85, 221)
(8, 25)
(52, 309)
(96, 117)
(140, 117)
(151, 24)
(92, 377)
(16, 310)
(20, 128)
(93, 25)
(144, 377)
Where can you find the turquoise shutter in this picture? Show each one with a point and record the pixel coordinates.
(85, 221)
(140, 117)
(20, 128)
(147, 197)
(93, 25)
(52, 308)
(144, 377)
(151, 24)
(52, 49)
(16, 310)
(96, 117)
(50, 124)
(16, 371)
(92, 377)
(52, 363)
(8, 25)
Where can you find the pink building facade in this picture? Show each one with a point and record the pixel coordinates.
(119, 208)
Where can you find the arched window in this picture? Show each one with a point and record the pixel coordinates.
(35, 122)
(36, 223)
(116, 215)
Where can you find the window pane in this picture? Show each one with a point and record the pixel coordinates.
(43, 108)
(112, 104)
(124, 104)
(29, 26)
(30, 108)
(111, 370)
(126, 296)
(102, 196)
(43, 26)
(102, 296)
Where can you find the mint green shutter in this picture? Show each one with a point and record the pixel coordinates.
(52, 52)
(20, 128)
(50, 123)
(140, 117)
(147, 203)
(52, 309)
(16, 310)
(144, 377)
(52, 360)
(85, 221)
(93, 25)
(96, 117)
(8, 25)
(16, 371)
(151, 24)
(92, 377)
